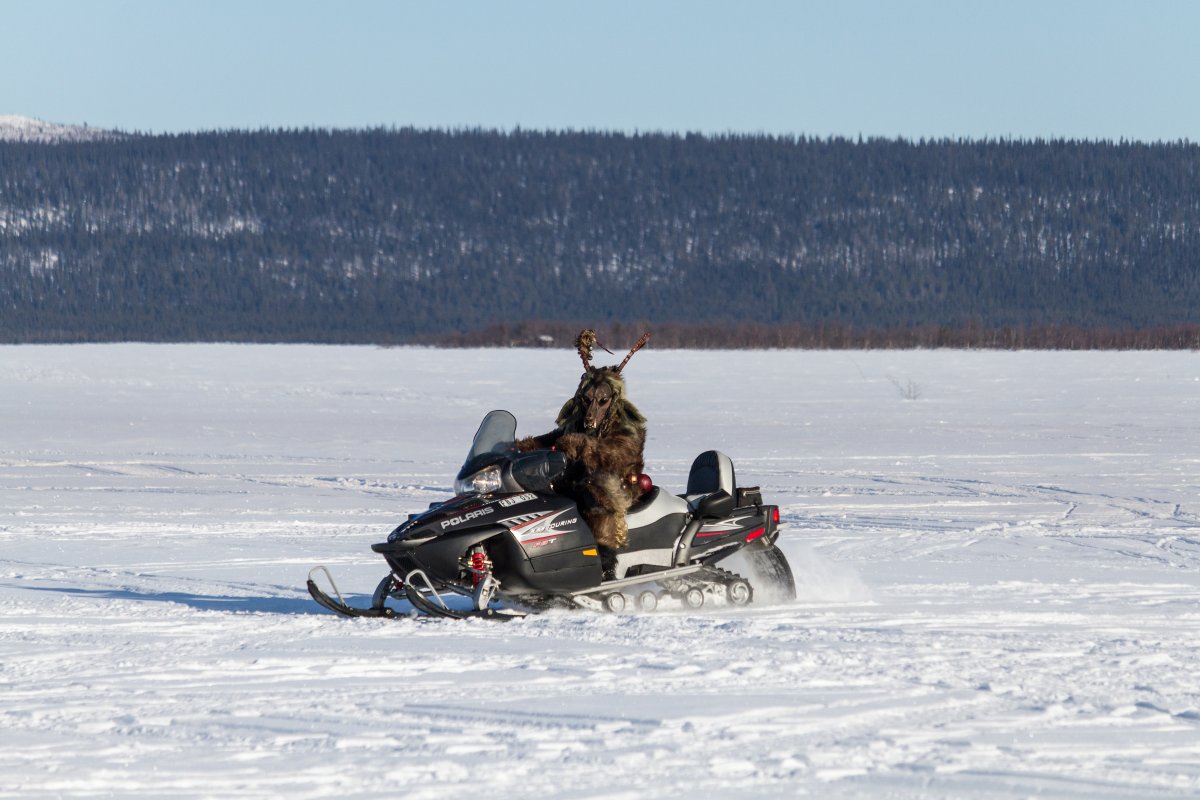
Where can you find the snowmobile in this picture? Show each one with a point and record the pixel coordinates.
(508, 544)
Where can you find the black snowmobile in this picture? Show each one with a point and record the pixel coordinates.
(508, 542)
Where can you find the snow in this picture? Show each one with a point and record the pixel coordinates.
(999, 595)
(15, 128)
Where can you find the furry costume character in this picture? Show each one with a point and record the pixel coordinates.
(603, 434)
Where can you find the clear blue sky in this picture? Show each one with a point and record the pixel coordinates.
(1101, 69)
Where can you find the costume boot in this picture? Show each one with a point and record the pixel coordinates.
(608, 562)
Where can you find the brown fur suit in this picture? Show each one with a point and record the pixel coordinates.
(603, 434)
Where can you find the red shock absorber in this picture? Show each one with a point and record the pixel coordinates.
(479, 566)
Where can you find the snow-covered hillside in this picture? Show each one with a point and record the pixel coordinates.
(15, 128)
(999, 581)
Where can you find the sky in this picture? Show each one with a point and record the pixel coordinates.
(1100, 69)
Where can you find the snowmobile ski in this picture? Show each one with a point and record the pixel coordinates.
(339, 605)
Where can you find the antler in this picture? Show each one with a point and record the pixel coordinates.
(638, 346)
(584, 343)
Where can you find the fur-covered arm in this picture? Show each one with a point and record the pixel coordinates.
(577, 446)
(619, 454)
(543, 442)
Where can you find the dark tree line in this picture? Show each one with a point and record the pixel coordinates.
(405, 235)
(827, 336)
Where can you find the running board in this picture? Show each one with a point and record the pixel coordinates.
(647, 577)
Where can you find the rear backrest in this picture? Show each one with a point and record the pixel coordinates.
(712, 470)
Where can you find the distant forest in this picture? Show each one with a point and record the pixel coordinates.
(486, 237)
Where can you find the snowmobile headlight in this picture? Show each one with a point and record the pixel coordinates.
(485, 481)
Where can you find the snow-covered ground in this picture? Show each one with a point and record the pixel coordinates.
(998, 556)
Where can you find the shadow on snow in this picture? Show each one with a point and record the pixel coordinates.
(200, 602)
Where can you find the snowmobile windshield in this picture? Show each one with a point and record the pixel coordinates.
(495, 437)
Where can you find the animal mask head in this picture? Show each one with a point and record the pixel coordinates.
(600, 401)
(597, 398)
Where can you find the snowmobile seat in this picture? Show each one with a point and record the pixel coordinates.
(653, 506)
(712, 471)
